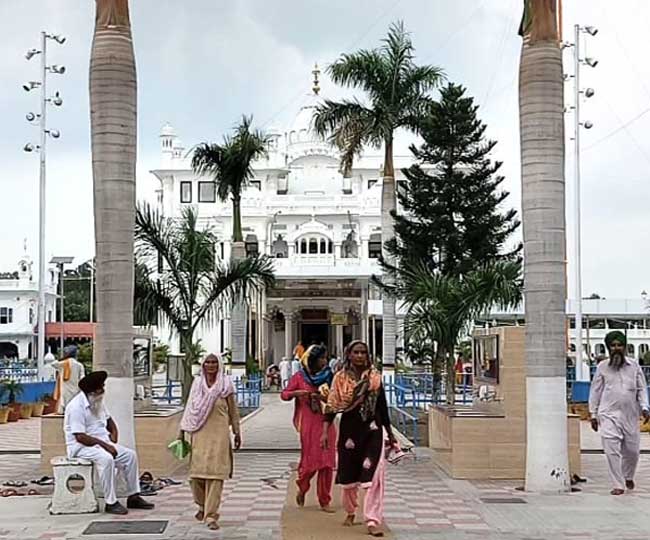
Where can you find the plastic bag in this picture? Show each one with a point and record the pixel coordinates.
(180, 448)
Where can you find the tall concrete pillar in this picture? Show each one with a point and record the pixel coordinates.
(288, 340)
(339, 340)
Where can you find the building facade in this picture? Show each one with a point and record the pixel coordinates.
(19, 309)
(322, 229)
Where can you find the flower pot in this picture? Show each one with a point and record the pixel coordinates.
(14, 415)
(26, 410)
(50, 406)
(38, 409)
(4, 415)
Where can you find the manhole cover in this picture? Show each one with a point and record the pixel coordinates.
(502, 500)
(126, 527)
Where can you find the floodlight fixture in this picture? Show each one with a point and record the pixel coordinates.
(54, 133)
(588, 124)
(57, 37)
(30, 116)
(590, 92)
(31, 85)
(591, 62)
(31, 53)
(29, 147)
(591, 30)
(57, 100)
(55, 68)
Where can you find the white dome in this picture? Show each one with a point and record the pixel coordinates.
(167, 130)
(301, 127)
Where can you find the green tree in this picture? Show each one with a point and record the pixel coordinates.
(398, 96)
(230, 166)
(188, 287)
(444, 306)
(77, 293)
(453, 219)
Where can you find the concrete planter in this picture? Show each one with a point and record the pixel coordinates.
(4, 415)
(26, 410)
(38, 409)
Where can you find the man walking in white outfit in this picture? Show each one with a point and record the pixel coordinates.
(618, 394)
(285, 371)
(90, 433)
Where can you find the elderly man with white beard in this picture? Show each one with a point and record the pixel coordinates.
(618, 395)
(91, 433)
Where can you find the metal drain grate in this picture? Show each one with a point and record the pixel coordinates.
(126, 527)
(502, 500)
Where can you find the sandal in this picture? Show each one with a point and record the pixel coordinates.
(349, 520)
(300, 499)
(10, 493)
(213, 525)
(33, 492)
(199, 515)
(375, 531)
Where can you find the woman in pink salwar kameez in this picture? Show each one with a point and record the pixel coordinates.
(309, 387)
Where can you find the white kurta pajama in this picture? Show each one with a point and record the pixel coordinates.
(79, 418)
(69, 387)
(616, 399)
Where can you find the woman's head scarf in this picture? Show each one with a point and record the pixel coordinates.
(203, 397)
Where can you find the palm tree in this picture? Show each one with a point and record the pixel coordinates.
(230, 166)
(541, 118)
(113, 121)
(398, 96)
(444, 306)
(189, 286)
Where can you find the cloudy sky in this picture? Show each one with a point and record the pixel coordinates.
(201, 64)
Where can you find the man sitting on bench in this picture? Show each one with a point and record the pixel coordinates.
(91, 433)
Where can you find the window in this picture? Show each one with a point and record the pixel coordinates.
(313, 246)
(323, 246)
(186, 192)
(256, 184)
(371, 183)
(6, 315)
(303, 246)
(600, 350)
(49, 315)
(207, 192)
(374, 246)
(222, 252)
(251, 245)
(31, 316)
(630, 350)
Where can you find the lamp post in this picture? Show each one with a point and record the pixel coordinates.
(41, 147)
(588, 93)
(60, 262)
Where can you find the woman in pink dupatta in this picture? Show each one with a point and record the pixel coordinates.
(211, 411)
(309, 389)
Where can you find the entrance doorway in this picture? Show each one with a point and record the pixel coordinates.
(314, 333)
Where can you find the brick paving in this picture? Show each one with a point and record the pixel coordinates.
(421, 501)
(23, 436)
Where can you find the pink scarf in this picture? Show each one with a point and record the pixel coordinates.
(203, 397)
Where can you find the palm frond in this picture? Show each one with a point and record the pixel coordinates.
(363, 69)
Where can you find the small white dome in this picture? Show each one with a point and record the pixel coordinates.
(301, 127)
(167, 130)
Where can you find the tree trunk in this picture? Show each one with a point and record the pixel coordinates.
(188, 361)
(542, 159)
(388, 204)
(237, 235)
(113, 119)
(238, 316)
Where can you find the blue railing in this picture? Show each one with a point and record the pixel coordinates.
(247, 389)
(19, 374)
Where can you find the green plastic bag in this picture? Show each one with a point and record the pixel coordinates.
(180, 448)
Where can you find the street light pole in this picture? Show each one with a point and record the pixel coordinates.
(577, 246)
(41, 211)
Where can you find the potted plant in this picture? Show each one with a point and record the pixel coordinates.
(50, 404)
(26, 410)
(4, 414)
(13, 389)
(38, 408)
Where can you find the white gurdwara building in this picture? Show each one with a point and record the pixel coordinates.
(322, 229)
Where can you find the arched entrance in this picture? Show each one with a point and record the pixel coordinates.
(8, 349)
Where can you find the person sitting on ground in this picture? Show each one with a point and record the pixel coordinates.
(69, 371)
(91, 433)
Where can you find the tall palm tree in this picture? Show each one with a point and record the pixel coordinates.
(189, 286)
(397, 92)
(113, 121)
(541, 117)
(230, 166)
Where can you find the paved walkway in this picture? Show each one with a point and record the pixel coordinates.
(21, 436)
(421, 501)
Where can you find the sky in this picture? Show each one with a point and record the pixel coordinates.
(204, 63)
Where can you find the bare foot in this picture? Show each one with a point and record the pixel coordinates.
(328, 509)
(375, 531)
(629, 484)
(617, 491)
(300, 499)
(199, 515)
(213, 525)
(349, 520)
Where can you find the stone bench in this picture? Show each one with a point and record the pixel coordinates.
(64, 499)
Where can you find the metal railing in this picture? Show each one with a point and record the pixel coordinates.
(247, 389)
(19, 374)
